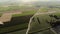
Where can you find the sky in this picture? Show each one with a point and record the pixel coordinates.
(26, 0)
(3, 2)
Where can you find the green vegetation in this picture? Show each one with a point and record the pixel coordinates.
(57, 13)
(18, 8)
(9, 8)
(45, 23)
(18, 32)
(25, 13)
(13, 28)
(43, 9)
(48, 31)
(35, 25)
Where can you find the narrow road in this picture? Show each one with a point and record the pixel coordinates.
(38, 13)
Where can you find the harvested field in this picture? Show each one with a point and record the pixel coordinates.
(7, 16)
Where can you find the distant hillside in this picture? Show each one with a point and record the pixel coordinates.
(50, 3)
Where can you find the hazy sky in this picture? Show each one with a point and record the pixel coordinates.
(26, 0)
(37, 0)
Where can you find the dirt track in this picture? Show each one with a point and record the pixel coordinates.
(38, 13)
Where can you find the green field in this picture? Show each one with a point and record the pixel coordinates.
(22, 22)
(22, 25)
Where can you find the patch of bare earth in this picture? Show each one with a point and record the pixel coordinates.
(8, 15)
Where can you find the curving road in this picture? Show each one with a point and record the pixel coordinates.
(37, 13)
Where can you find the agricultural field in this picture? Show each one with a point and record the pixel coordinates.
(29, 17)
(19, 22)
(44, 21)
